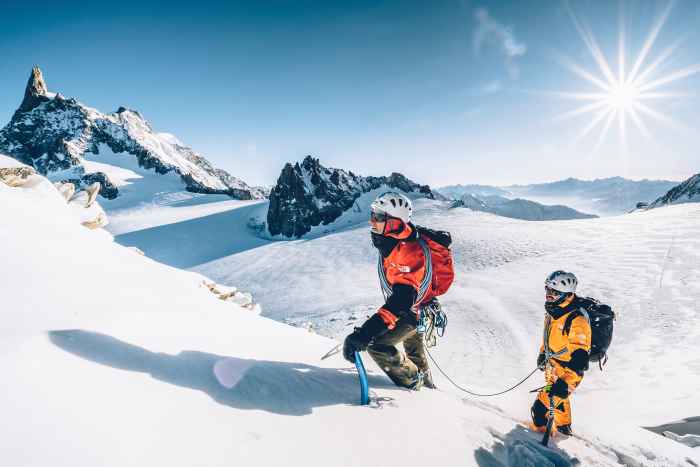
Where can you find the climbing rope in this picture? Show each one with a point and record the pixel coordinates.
(476, 393)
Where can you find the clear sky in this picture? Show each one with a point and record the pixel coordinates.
(442, 91)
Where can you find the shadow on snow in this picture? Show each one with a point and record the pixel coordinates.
(285, 388)
(521, 448)
(196, 241)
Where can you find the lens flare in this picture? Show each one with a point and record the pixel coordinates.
(621, 93)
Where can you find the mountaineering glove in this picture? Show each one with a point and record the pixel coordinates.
(362, 336)
(355, 342)
(560, 389)
(540, 362)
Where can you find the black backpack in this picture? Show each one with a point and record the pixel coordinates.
(601, 318)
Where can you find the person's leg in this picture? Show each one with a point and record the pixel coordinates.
(414, 345)
(402, 371)
(539, 411)
(562, 416)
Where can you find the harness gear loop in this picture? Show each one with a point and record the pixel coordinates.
(432, 321)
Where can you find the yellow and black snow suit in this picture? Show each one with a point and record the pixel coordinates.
(564, 351)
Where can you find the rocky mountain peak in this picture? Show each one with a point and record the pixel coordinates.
(56, 135)
(35, 92)
(308, 194)
(688, 191)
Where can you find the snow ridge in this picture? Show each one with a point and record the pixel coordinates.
(519, 208)
(686, 192)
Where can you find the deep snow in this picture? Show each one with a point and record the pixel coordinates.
(110, 358)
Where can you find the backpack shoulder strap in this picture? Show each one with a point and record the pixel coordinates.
(570, 319)
(428, 276)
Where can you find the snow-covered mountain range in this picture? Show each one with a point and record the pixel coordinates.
(55, 135)
(607, 196)
(519, 208)
(686, 192)
(309, 194)
(457, 191)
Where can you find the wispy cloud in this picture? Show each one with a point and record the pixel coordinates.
(491, 32)
(484, 89)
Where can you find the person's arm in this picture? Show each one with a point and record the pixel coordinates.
(579, 347)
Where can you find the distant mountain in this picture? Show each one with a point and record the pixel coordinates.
(686, 192)
(612, 195)
(457, 191)
(309, 194)
(519, 208)
(54, 135)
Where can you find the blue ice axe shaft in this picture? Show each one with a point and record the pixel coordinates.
(364, 386)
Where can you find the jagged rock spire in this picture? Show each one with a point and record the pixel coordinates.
(36, 90)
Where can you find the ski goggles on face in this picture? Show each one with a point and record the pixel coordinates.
(378, 216)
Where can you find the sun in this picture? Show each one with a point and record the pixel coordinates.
(623, 95)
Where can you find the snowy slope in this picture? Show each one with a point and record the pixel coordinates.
(110, 358)
(644, 264)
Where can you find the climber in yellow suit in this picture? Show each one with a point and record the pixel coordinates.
(564, 351)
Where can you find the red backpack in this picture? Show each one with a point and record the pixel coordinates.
(439, 266)
(439, 262)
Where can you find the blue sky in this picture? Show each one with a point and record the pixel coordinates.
(443, 91)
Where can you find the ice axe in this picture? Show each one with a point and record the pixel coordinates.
(550, 422)
(364, 385)
(331, 352)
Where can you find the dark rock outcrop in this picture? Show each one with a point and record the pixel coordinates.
(688, 191)
(108, 189)
(309, 194)
(35, 92)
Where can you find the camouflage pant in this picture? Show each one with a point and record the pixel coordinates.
(402, 368)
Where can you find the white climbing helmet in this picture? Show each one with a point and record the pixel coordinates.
(562, 281)
(394, 204)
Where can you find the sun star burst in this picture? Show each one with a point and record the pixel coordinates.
(621, 94)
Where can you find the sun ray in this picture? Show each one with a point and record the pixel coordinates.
(580, 111)
(577, 96)
(675, 76)
(590, 41)
(601, 115)
(649, 42)
(621, 45)
(606, 128)
(659, 116)
(663, 56)
(582, 73)
(622, 120)
(666, 95)
(639, 123)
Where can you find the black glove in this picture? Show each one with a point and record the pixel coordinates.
(541, 362)
(360, 339)
(355, 342)
(560, 389)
